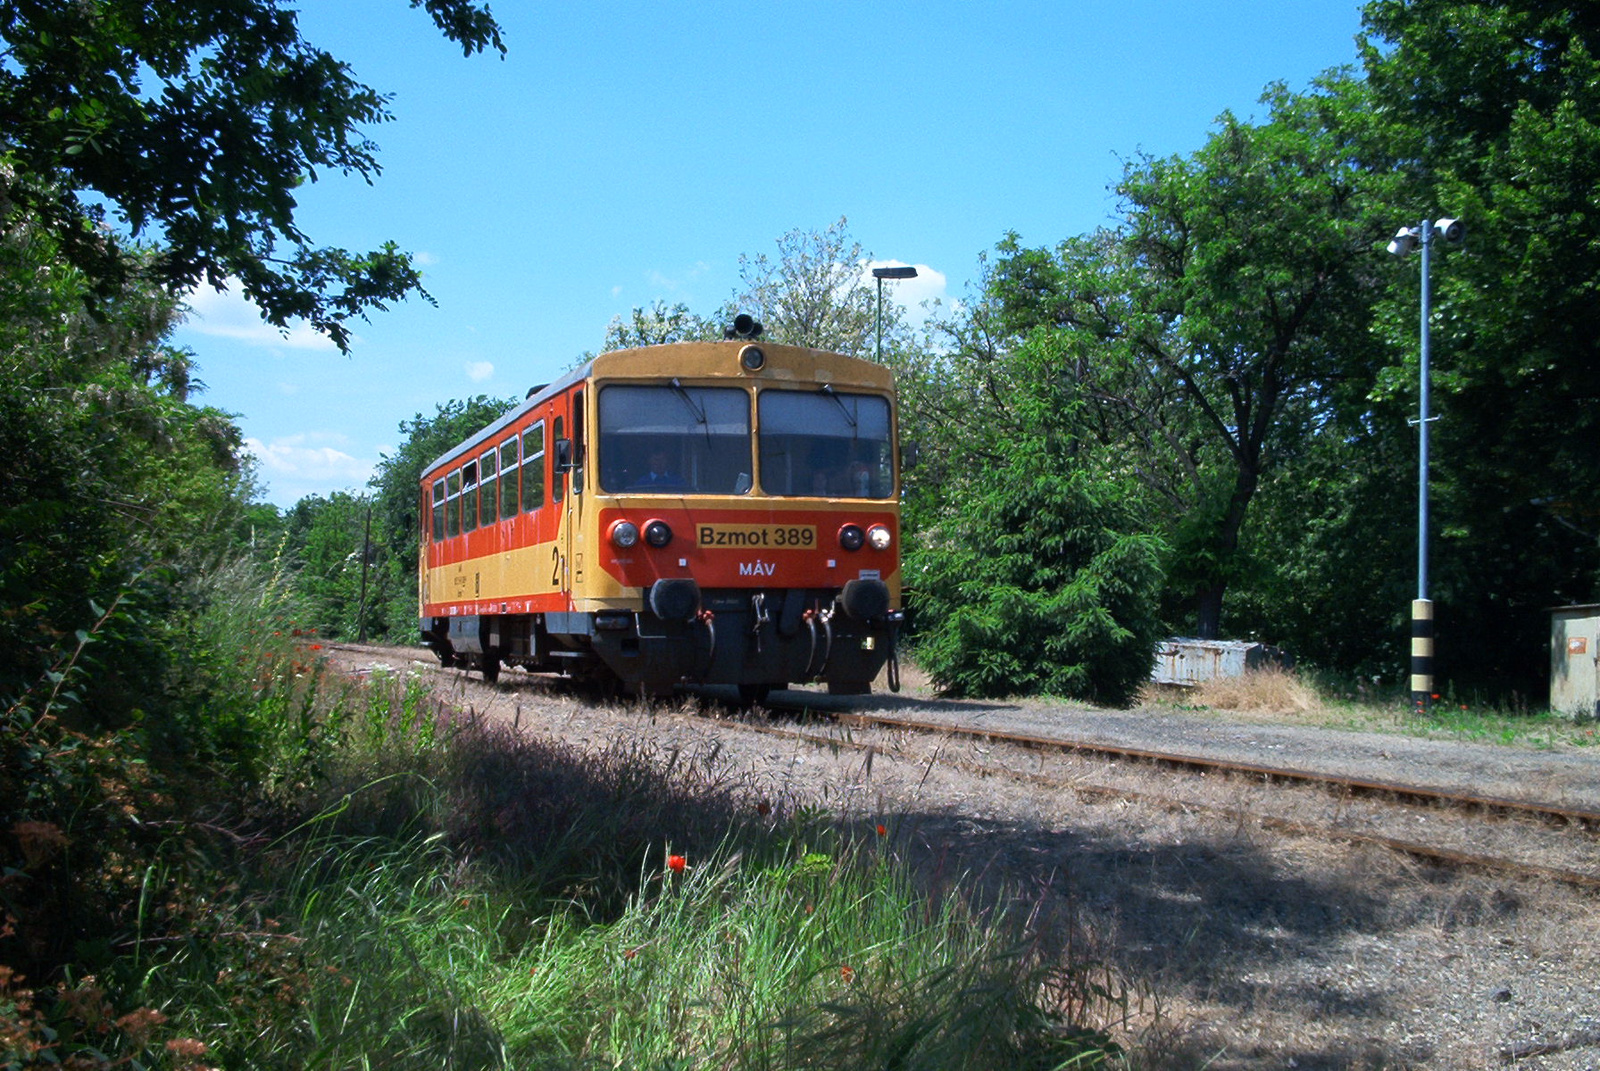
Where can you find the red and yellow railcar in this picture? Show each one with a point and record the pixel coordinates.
(702, 512)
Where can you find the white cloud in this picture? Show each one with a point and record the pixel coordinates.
(478, 371)
(308, 463)
(424, 259)
(672, 283)
(229, 314)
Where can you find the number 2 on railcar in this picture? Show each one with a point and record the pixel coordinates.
(698, 512)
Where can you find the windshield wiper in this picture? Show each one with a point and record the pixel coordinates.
(827, 388)
(698, 410)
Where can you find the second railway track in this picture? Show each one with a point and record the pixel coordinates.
(1580, 822)
(1353, 786)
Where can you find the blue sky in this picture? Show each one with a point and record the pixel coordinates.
(628, 152)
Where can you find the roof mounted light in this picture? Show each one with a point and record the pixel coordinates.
(744, 326)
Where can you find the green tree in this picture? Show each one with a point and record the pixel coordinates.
(657, 326)
(1035, 572)
(195, 121)
(1333, 537)
(816, 294)
(109, 476)
(332, 554)
(1493, 113)
(1223, 322)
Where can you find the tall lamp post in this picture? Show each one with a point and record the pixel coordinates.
(1406, 239)
(881, 274)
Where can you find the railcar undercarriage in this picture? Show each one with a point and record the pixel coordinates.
(758, 640)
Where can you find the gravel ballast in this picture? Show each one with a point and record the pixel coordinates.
(1239, 947)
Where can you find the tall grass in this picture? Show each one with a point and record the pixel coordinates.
(569, 938)
(310, 872)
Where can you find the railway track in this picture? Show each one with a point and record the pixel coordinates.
(1433, 801)
(1577, 821)
(1348, 786)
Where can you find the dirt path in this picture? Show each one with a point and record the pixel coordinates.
(1242, 948)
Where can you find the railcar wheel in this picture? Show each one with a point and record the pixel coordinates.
(600, 682)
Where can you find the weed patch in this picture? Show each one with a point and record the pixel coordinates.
(379, 880)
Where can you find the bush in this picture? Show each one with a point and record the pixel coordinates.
(1038, 581)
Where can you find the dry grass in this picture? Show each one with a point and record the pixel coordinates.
(1269, 690)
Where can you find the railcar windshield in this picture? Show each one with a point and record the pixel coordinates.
(675, 439)
(825, 442)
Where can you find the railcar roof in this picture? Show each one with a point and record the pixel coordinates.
(639, 362)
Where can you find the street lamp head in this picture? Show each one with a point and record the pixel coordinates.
(906, 272)
(1405, 240)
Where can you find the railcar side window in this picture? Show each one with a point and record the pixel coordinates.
(452, 507)
(825, 442)
(674, 439)
(508, 478)
(469, 496)
(533, 467)
(489, 490)
(438, 510)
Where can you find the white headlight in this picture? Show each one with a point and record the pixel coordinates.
(624, 534)
(878, 537)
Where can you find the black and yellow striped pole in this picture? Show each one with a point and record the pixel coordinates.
(1421, 655)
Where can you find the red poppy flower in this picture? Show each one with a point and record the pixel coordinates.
(676, 863)
(316, 646)
(763, 808)
(848, 973)
(882, 830)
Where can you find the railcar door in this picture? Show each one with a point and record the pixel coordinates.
(567, 488)
(572, 529)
